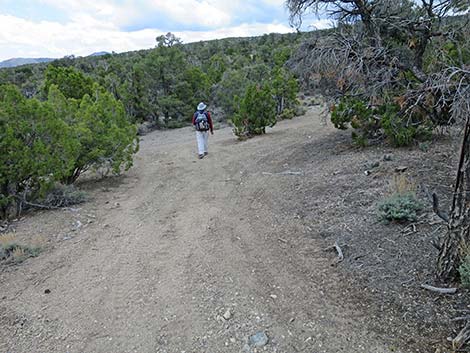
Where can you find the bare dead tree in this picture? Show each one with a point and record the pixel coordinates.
(345, 63)
(346, 11)
(454, 85)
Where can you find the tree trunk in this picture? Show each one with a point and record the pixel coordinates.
(4, 208)
(456, 241)
(452, 252)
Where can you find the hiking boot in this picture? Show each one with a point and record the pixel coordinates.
(201, 156)
(206, 153)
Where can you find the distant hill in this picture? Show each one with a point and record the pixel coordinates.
(23, 61)
(100, 53)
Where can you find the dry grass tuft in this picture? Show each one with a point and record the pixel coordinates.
(401, 185)
(13, 252)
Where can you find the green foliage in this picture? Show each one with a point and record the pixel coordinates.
(281, 55)
(216, 68)
(372, 121)
(169, 86)
(44, 142)
(359, 140)
(233, 84)
(355, 113)
(257, 110)
(36, 148)
(71, 82)
(403, 131)
(286, 114)
(351, 111)
(193, 88)
(168, 40)
(164, 84)
(400, 207)
(464, 272)
(106, 138)
(285, 89)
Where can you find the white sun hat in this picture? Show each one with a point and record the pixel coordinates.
(201, 106)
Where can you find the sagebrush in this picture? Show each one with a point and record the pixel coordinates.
(400, 207)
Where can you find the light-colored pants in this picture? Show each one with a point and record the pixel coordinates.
(202, 137)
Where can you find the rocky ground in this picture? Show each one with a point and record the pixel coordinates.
(234, 253)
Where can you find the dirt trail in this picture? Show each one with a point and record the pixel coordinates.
(167, 254)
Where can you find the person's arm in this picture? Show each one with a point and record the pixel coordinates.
(209, 119)
(194, 119)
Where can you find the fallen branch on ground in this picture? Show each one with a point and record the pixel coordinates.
(462, 337)
(461, 318)
(339, 251)
(435, 207)
(287, 172)
(439, 290)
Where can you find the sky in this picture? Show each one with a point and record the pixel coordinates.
(56, 28)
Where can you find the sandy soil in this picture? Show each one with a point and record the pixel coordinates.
(159, 255)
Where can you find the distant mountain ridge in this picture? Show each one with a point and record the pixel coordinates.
(99, 53)
(25, 61)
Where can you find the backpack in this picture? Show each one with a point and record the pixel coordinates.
(201, 123)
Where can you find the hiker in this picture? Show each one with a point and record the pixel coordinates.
(203, 123)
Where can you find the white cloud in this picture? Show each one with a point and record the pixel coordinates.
(194, 12)
(87, 26)
(85, 35)
(322, 23)
(209, 13)
(278, 3)
(244, 30)
(19, 37)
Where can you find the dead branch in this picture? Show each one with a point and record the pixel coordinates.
(461, 318)
(462, 337)
(286, 172)
(336, 247)
(339, 251)
(439, 290)
(435, 207)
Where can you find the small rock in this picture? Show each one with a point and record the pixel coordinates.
(233, 340)
(47, 291)
(401, 169)
(246, 349)
(77, 226)
(388, 157)
(374, 165)
(274, 296)
(259, 339)
(227, 315)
